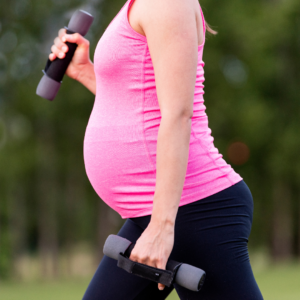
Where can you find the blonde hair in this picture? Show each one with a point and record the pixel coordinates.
(209, 29)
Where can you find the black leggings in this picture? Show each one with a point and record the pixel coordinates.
(211, 234)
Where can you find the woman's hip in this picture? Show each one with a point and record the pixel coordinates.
(216, 223)
(232, 207)
(229, 207)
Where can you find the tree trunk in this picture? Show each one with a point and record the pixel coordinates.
(47, 195)
(74, 197)
(298, 218)
(108, 223)
(282, 235)
(5, 241)
(17, 222)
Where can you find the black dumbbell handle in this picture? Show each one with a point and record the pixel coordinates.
(165, 277)
(56, 69)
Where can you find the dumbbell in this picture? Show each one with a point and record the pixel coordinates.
(55, 70)
(187, 276)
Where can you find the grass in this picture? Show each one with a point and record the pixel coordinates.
(276, 283)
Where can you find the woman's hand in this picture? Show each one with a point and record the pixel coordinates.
(154, 246)
(80, 68)
(81, 58)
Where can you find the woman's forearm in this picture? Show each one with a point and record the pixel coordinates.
(171, 165)
(87, 77)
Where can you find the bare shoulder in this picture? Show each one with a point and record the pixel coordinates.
(166, 10)
(172, 15)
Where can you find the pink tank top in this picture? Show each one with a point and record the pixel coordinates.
(121, 136)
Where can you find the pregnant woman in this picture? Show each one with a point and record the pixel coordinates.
(149, 154)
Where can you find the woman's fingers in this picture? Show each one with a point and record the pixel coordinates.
(60, 47)
(52, 56)
(62, 32)
(58, 52)
(150, 261)
(161, 265)
(153, 248)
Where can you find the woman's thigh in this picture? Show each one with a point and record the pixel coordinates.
(113, 283)
(212, 234)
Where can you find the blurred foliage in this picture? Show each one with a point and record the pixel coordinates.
(252, 97)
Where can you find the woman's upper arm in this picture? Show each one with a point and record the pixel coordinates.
(170, 28)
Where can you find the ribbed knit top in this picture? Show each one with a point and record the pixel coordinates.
(121, 136)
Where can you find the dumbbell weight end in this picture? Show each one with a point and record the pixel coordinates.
(47, 87)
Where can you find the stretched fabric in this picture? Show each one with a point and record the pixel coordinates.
(121, 136)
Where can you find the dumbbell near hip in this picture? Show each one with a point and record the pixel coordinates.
(187, 276)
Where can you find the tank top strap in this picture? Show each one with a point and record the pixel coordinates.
(203, 20)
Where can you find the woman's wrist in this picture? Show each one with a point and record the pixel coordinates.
(87, 77)
(164, 210)
(163, 218)
(162, 228)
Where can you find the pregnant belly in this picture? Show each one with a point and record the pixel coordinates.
(116, 161)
